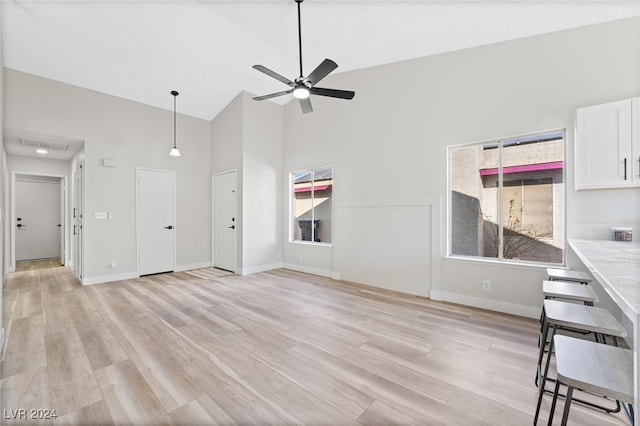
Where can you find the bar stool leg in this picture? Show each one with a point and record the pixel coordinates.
(543, 342)
(556, 391)
(544, 376)
(567, 405)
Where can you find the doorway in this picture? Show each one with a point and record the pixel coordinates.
(38, 219)
(224, 224)
(156, 221)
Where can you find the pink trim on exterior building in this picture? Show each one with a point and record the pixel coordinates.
(308, 188)
(523, 168)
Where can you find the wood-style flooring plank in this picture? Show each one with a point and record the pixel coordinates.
(96, 414)
(25, 346)
(101, 347)
(66, 358)
(28, 389)
(170, 384)
(74, 394)
(202, 411)
(128, 396)
(235, 398)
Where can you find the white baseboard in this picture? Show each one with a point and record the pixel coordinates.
(490, 304)
(308, 270)
(260, 268)
(109, 278)
(192, 266)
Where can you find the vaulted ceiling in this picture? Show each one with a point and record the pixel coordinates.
(141, 50)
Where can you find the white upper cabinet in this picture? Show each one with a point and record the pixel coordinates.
(608, 145)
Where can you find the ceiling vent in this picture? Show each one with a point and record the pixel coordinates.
(49, 146)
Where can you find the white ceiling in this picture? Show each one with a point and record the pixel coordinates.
(141, 50)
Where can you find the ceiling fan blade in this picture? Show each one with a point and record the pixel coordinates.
(274, 74)
(305, 104)
(333, 93)
(321, 71)
(272, 95)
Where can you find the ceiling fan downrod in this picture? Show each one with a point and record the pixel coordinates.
(300, 38)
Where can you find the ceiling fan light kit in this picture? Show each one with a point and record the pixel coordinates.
(302, 87)
(301, 92)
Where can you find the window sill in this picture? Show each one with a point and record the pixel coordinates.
(505, 263)
(311, 243)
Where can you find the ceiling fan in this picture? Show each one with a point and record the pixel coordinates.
(302, 87)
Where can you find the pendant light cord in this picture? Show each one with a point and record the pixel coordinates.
(175, 95)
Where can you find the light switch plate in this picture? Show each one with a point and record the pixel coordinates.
(100, 215)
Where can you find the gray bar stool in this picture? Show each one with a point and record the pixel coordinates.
(592, 367)
(568, 275)
(576, 317)
(569, 291)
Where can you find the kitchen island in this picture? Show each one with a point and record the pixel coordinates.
(616, 266)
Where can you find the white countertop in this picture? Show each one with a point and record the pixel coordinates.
(616, 265)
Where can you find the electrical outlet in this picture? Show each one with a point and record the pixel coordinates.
(100, 215)
(486, 285)
(450, 286)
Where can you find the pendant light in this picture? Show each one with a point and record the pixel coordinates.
(174, 151)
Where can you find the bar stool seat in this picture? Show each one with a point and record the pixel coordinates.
(568, 275)
(576, 317)
(579, 317)
(569, 291)
(602, 369)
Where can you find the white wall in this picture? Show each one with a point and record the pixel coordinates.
(37, 165)
(390, 142)
(3, 192)
(262, 180)
(247, 137)
(134, 135)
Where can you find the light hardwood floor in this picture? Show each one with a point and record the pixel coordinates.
(272, 348)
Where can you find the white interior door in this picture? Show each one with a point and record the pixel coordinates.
(224, 221)
(38, 220)
(156, 227)
(61, 227)
(78, 183)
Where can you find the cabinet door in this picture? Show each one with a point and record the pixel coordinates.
(603, 146)
(634, 167)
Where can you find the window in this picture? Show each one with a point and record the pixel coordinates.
(507, 199)
(311, 205)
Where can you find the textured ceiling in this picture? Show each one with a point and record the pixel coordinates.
(141, 50)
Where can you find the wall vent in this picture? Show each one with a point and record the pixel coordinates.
(50, 146)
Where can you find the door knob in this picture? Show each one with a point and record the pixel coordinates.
(168, 227)
(231, 227)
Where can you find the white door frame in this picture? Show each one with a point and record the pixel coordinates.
(173, 174)
(12, 223)
(76, 254)
(235, 234)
